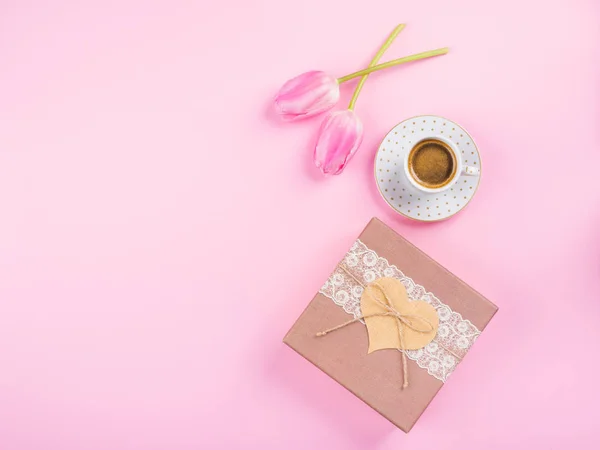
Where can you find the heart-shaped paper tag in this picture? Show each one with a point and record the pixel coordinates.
(419, 322)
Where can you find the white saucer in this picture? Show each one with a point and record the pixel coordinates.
(400, 194)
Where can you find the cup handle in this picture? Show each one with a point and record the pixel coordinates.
(470, 170)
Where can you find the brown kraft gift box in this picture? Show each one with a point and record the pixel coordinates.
(376, 378)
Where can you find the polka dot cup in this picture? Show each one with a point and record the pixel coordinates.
(411, 199)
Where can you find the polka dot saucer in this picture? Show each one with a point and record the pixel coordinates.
(399, 192)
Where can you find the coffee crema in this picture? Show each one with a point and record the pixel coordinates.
(432, 163)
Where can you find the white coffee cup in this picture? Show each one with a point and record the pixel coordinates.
(460, 170)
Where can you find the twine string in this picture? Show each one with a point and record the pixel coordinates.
(403, 320)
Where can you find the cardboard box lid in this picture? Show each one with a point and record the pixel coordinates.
(376, 378)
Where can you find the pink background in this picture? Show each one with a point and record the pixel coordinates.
(161, 232)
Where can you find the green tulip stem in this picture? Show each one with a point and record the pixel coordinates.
(395, 62)
(374, 62)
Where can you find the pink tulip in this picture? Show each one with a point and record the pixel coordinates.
(307, 94)
(315, 92)
(339, 138)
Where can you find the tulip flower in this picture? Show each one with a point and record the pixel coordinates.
(315, 92)
(339, 138)
(307, 94)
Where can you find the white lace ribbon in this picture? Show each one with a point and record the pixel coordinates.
(455, 335)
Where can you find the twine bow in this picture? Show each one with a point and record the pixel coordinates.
(403, 320)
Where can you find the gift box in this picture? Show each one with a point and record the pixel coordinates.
(390, 324)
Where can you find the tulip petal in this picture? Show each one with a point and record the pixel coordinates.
(339, 138)
(307, 94)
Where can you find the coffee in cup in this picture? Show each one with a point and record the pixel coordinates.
(432, 163)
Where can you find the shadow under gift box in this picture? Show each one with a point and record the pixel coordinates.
(376, 378)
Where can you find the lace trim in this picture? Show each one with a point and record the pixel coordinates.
(455, 335)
